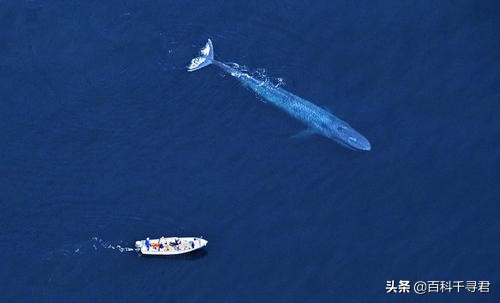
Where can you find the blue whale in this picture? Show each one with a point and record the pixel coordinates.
(317, 119)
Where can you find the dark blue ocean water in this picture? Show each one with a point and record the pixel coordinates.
(106, 139)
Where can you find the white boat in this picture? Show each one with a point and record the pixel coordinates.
(170, 245)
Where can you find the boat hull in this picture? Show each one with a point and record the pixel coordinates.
(170, 245)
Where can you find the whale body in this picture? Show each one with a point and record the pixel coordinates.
(317, 119)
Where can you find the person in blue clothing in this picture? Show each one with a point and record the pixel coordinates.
(175, 244)
(147, 243)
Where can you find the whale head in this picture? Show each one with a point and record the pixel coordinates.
(347, 136)
(353, 139)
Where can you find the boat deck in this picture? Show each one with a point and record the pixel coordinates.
(171, 246)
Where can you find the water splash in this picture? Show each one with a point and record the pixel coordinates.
(260, 74)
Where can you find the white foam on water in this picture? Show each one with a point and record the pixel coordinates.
(262, 75)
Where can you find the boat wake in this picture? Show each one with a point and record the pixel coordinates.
(100, 243)
(89, 246)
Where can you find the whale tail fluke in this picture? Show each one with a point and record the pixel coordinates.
(205, 58)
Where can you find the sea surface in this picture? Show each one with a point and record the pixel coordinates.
(105, 139)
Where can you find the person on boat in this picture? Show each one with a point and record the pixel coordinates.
(147, 243)
(175, 244)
